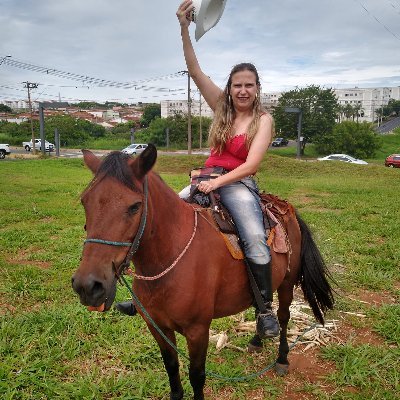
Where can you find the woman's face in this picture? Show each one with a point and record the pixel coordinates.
(243, 90)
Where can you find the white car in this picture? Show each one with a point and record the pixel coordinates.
(4, 150)
(134, 149)
(342, 157)
(38, 145)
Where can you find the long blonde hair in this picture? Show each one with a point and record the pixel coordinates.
(224, 116)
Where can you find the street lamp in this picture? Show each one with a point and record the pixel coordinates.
(3, 58)
(297, 111)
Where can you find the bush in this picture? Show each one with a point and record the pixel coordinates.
(356, 139)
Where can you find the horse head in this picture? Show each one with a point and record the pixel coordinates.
(114, 203)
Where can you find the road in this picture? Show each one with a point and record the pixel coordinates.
(77, 153)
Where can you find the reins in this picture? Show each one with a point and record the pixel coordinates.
(153, 278)
(136, 242)
(208, 373)
(133, 247)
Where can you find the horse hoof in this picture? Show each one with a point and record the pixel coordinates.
(281, 369)
(176, 396)
(251, 348)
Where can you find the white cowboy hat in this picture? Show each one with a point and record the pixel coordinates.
(206, 14)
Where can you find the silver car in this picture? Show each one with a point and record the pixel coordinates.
(134, 149)
(343, 157)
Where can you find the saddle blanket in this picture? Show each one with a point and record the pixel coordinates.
(277, 239)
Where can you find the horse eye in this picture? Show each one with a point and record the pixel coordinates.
(84, 227)
(134, 208)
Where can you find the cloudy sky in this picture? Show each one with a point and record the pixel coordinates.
(332, 43)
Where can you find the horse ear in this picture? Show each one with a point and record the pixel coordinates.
(145, 162)
(91, 161)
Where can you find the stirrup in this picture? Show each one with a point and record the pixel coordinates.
(267, 324)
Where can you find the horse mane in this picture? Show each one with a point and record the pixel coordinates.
(114, 165)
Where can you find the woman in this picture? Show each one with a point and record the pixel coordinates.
(239, 137)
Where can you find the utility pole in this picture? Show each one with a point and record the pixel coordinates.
(4, 58)
(189, 100)
(29, 86)
(200, 127)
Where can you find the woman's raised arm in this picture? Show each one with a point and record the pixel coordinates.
(209, 90)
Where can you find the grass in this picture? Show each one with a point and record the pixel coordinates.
(52, 348)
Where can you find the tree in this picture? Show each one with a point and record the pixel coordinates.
(4, 108)
(349, 137)
(150, 112)
(72, 131)
(177, 125)
(319, 107)
(124, 128)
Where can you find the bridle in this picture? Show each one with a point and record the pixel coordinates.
(134, 245)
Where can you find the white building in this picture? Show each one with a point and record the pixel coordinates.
(169, 108)
(270, 100)
(18, 105)
(370, 99)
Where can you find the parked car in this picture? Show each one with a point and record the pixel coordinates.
(4, 150)
(134, 149)
(344, 158)
(393, 161)
(280, 141)
(38, 145)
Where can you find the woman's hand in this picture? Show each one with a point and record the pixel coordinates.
(184, 12)
(208, 186)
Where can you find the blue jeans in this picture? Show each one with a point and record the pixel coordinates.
(242, 202)
(244, 207)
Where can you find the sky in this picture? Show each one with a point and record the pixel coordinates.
(330, 43)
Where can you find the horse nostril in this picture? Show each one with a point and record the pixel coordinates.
(97, 289)
(89, 289)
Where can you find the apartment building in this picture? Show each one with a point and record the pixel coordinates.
(171, 107)
(17, 105)
(369, 99)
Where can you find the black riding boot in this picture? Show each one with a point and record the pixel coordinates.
(267, 322)
(126, 307)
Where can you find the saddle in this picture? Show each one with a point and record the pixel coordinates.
(274, 210)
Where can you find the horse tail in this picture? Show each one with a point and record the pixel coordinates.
(314, 276)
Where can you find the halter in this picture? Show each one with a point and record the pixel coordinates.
(136, 242)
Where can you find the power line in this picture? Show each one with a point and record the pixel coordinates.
(374, 17)
(86, 80)
(396, 7)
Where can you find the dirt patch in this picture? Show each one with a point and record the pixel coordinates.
(228, 394)
(22, 258)
(373, 298)
(359, 336)
(7, 308)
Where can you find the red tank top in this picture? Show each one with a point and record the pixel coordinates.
(234, 154)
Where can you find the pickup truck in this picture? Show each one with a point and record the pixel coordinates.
(38, 145)
(4, 150)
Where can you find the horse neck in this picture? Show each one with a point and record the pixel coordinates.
(170, 223)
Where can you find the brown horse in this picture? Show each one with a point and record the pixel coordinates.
(192, 277)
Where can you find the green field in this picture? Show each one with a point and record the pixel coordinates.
(51, 347)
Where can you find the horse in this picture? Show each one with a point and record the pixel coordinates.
(184, 274)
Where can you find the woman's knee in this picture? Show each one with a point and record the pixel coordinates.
(185, 192)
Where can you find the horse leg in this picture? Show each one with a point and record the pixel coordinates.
(171, 362)
(197, 340)
(285, 296)
(255, 345)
